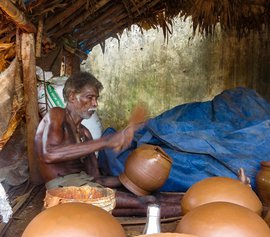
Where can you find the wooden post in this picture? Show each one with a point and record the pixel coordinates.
(31, 101)
(72, 63)
(39, 37)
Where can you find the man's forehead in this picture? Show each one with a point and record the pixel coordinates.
(89, 90)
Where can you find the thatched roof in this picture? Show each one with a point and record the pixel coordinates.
(79, 25)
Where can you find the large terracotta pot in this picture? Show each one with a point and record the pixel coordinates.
(167, 235)
(263, 183)
(220, 189)
(146, 170)
(74, 219)
(223, 219)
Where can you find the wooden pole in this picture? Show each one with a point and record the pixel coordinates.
(39, 37)
(31, 105)
(17, 16)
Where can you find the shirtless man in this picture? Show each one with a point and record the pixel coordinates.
(65, 147)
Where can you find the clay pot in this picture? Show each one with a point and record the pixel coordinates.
(223, 219)
(146, 170)
(263, 183)
(220, 189)
(74, 219)
(167, 235)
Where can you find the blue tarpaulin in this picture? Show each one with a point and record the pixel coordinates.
(205, 139)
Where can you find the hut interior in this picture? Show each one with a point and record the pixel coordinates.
(49, 34)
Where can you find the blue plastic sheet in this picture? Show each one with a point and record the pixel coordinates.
(205, 139)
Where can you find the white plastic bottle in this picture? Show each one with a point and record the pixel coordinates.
(152, 225)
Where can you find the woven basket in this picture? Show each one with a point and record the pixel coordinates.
(101, 197)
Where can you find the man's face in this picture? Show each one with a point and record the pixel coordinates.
(86, 102)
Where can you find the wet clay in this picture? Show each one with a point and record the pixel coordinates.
(220, 189)
(74, 219)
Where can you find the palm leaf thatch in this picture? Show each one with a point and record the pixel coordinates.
(82, 24)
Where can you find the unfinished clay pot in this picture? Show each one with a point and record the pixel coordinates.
(220, 189)
(223, 219)
(262, 183)
(146, 170)
(74, 219)
(167, 235)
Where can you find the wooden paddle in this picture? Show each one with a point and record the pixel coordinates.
(137, 117)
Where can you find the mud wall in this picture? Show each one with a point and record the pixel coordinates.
(165, 73)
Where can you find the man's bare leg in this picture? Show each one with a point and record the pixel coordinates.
(108, 181)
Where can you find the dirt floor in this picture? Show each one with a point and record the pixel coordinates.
(34, 205)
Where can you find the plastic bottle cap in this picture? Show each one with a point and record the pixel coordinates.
(154, 210)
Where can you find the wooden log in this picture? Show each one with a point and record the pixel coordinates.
(17, 16)
(30, 100)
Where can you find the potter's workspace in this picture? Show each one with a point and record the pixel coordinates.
(134, 118)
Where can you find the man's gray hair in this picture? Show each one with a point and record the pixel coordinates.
(76, 82)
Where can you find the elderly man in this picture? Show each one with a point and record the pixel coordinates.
(65, 147)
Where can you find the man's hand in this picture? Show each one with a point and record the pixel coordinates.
(122, 139)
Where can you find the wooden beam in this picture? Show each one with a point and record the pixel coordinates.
(119, 23)
(53, 21)
(17, 16)
(113, 11)
(63, 30)
(30, 100)
(82, 33)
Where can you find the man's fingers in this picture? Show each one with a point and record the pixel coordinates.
(125, 138)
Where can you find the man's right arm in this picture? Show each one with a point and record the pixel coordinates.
(55, 149)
